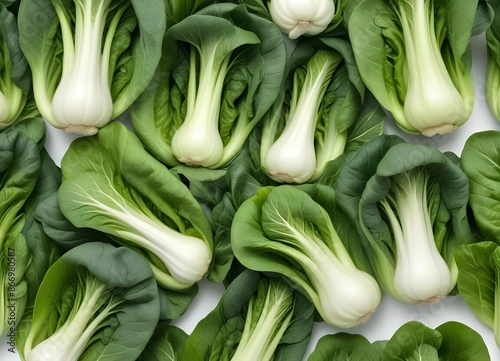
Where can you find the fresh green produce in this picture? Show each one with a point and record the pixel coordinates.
(221, 70)
(415, 57)
(300, 233)
(257, 318)
(480, 159)
(412, 341)
(94, 302)
(22, 182)
(167, 343)
(90, 59)
(478, 282)
(15, 77)
(111, 184)
(320, 113)
(409, 204)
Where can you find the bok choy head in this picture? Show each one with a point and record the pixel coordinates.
(220, 72)
(89, 304)
(257, 318)
(321, 113)
(90, 59)
(414, 56)
(409, 204)
(111, 184)
(300, 233)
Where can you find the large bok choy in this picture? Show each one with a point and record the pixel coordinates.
(257, 318)
(94, 302)
(90, 59)
(301, 234)
(409, 203)
(220, 72)
(111, 184)
(415, 57)
(322, 112)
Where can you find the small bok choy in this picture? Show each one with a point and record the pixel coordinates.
(94, 302)
(415, 57)
(493, 60)
(322, 112)
(301, 234)
(90, 59)
(220, 72)
(257, 318)
(409, 204)
(111, 184)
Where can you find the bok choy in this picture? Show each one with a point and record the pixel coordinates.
(257, 318)
(90, 59)
(220, 72)
(301, 234)
(409, 203)
(94, 302)
(111, 184)
(415, 57)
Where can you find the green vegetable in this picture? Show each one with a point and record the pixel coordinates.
(318, 115)
(412, 341)
(167, 342)
(257, 318)
(409, 204)
(90, 59)
(111, 184)
(415, 57)
(478, 282)
(220, 72)
(480, 159)
(301, 234)
(21, 159)
(15, 80)
(94, 302)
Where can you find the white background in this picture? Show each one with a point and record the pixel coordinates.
(391, 314)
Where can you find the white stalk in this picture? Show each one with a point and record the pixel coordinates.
(347, 296)
(4, 109)
(421, 274)
(82, 102)
(292, 157)
(432, 104)
(197, 142)
(302, 17)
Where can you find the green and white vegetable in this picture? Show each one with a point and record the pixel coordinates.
(221, 71)
(409, 203)
(94, 302)
(90, 59)
(111, 184)
(301, 234)
(320, 113)
(257, 318)
(415, 57)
